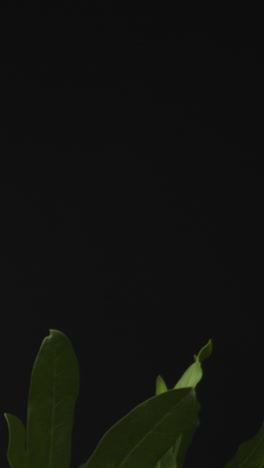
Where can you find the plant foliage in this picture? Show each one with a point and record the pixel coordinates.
(155, 434)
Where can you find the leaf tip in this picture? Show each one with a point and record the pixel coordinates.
(206, 351)
(53, 331)
(161, 385)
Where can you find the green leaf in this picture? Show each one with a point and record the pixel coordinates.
(176, 448)
(161, 386)
(143, 436)
(194, 373)
(205, 352)
(190, 378)
(167, 460)
(52, 395)
(16, 452)
(250, 454)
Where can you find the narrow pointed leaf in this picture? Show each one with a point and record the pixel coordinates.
(191, 378)
(250, 454)
(52, 395)
(161, 386)
(143, 436)
(16, 452)
(206, 351)
(194, 373)
(168, 460)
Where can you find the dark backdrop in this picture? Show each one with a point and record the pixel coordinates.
(131, 218)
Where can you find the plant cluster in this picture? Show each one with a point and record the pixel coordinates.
(155, 434)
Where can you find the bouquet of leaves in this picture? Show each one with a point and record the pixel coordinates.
(155, 434)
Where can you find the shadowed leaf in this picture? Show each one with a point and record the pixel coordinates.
(143, 436)
(16, 452)
(250, 454)
(52, 395)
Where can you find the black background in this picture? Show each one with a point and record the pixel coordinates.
(131, 216)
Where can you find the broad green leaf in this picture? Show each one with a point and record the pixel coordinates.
(161, 386)
(52, 395)
(16, 452)
(143, 436)
(250, 454)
